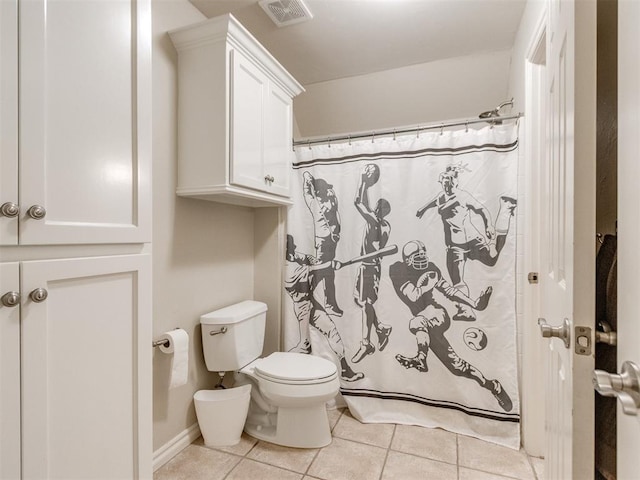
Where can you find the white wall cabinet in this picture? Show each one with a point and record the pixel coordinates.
(79, 146)
(75, 129)
(85, 363)
(235, 116)
(9, 374)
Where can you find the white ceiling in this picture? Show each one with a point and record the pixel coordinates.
(355, 37)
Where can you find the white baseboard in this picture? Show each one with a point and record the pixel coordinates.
(175, 446)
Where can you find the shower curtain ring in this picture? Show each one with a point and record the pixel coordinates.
(309, 144)
(329, 142)
(349, 140)
(466, 127)
(441, 128)
(418, 134)
(394, 134)
(373, 137)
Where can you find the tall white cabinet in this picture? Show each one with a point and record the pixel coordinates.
(75, 226)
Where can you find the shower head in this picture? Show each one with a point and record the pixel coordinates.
(496, 112)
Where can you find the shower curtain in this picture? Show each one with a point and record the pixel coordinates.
(400, 268)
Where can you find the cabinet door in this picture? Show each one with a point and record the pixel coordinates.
(85, 99)
(8, 119)
(278, 149)
(86, 368)
(248, 89)
(9, 375)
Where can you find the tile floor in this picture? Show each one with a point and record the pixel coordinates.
(358, 452)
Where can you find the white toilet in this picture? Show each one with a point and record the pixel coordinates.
(289, 390)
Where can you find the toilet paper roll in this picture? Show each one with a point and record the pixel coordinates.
(178, 346)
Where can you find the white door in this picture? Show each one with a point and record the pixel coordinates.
(628, 442)
(278, 151)
(86, 368)
(85, 121)
(9, 122)
(9, 371)
(568, 271)
(248, 90)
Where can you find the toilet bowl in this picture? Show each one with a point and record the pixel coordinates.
(289, 391)
(288, 399)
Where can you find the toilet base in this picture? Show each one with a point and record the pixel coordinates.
(306, 427)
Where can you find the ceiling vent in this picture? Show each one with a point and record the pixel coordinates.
(286, 12)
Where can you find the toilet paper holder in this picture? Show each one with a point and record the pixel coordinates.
(162, 343)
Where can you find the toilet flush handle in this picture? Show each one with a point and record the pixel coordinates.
(218, 332)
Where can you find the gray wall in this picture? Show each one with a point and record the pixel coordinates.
(454, 88)
(202, 251)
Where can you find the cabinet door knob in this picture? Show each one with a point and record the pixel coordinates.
(10, 299)
(36, 212)
(269, 178)
(9, 209)
(39, 295)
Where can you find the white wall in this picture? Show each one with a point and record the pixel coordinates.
(530, 345)
(529, 22)
(202, 251)
(454, 88)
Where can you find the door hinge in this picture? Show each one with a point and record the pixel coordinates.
(583, 340)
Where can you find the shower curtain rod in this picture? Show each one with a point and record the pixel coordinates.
(398, 131)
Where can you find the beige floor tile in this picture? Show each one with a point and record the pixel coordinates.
(296, 459)
(334, 415)
(401, 466)
(197, 463)
(346, 460)
(242, 448)
(432, 443)
(468, 474)
(489, 457)
(538, 466)
(378, 434)
(251, 470)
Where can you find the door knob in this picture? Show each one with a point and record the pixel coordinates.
(610, 338)
(563, 332)
(10, 299)
(624, 386)
(9, 209)
(39, 295)
(36, 212)
(607, 335)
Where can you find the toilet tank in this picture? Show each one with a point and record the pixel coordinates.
(243, 326)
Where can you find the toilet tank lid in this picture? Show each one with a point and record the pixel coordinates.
(234, 313)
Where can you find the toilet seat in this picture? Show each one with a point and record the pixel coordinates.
(295, 369)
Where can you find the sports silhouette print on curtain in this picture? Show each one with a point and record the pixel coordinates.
(400, 268)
